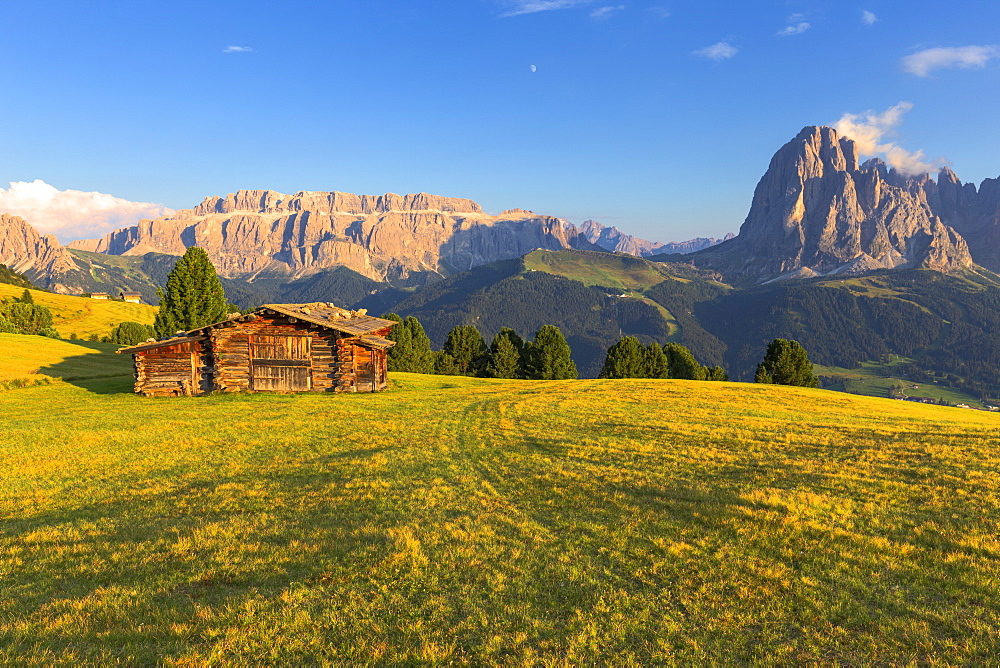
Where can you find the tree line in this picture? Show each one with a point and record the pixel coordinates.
(545, 357)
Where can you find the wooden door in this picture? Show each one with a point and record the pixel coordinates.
(280, 363)
(364, 369)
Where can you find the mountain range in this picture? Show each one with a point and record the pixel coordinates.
(856, 260)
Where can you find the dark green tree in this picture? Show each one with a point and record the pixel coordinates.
(412, 352)
(655, 361)
(682, 364)
(26, 297)
(625, 359)
(444, 364)
(467, 349)
(421, 355)
(786, 363)
(131, 333)
(548, 356)
(193, 297)
(28, 318)
(716, 373)
(398, 356)
(505, 357)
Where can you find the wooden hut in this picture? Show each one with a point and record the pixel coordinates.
(313, 347)
(133, 297)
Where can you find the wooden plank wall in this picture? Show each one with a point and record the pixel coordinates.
(169, 371)
(223, 361)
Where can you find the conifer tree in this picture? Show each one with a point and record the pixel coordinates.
(505, 355)
(398, 357)
(625, 359)
(193, 297)
(421, 355)
(548, 356)
(786, 363)
(467, 349)
(444, 364)
(655, 362)
(716, 373)
(682, 364)
(130, 333)
(26, 297)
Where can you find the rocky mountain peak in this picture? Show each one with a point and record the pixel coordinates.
(815, 208)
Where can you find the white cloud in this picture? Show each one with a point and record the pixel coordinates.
(237, 49)
(718, 51)
(923, 62)
(659, 12)
(796, 29)
(868, 18)
(869, 130)
(605, 12)
(519, 7)
(73, 214)
(534, 69)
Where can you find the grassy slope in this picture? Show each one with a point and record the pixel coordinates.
(465, 520)
(33, 359)
(870, 379)
(84, 316)
(624, 272)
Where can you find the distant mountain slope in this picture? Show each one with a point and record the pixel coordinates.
(613, 239)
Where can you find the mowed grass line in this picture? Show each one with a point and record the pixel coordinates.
(84, 316)
(476, 521)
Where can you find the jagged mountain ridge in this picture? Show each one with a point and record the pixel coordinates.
(816, 211)
(37, 256)
(613, 239)
(254, 233)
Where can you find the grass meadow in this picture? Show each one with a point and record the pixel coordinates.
(455, 520)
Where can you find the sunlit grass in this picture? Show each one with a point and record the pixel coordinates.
(33, 359)
(85, 316)
(504, 522)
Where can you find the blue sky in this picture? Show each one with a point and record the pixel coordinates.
(657, 117)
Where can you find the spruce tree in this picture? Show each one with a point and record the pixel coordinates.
(26, 297)
(786, 363)
(625, 359)
(655, 362)
(131, 333)
(716, 373)
(193, 297)
(682, 364)
(548, 356)
(467, 349)
(505, 355)
(421, 355)
(398, 357)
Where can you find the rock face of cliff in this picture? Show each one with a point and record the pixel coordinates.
(388, 237)
(614, 240)
(39, 257)
(816, 211)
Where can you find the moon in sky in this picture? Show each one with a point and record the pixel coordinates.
(534, 69)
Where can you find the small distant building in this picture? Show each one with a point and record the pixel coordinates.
(313, 347)
(133, 297)
(100, 295)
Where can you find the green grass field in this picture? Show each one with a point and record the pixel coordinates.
(870, 380)
(85, 316)
(27, 360)
(623, 272)
(455, 520)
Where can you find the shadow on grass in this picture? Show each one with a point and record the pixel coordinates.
(99, 372)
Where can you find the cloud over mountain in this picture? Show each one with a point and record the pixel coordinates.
(73, 214)
(869, 130)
